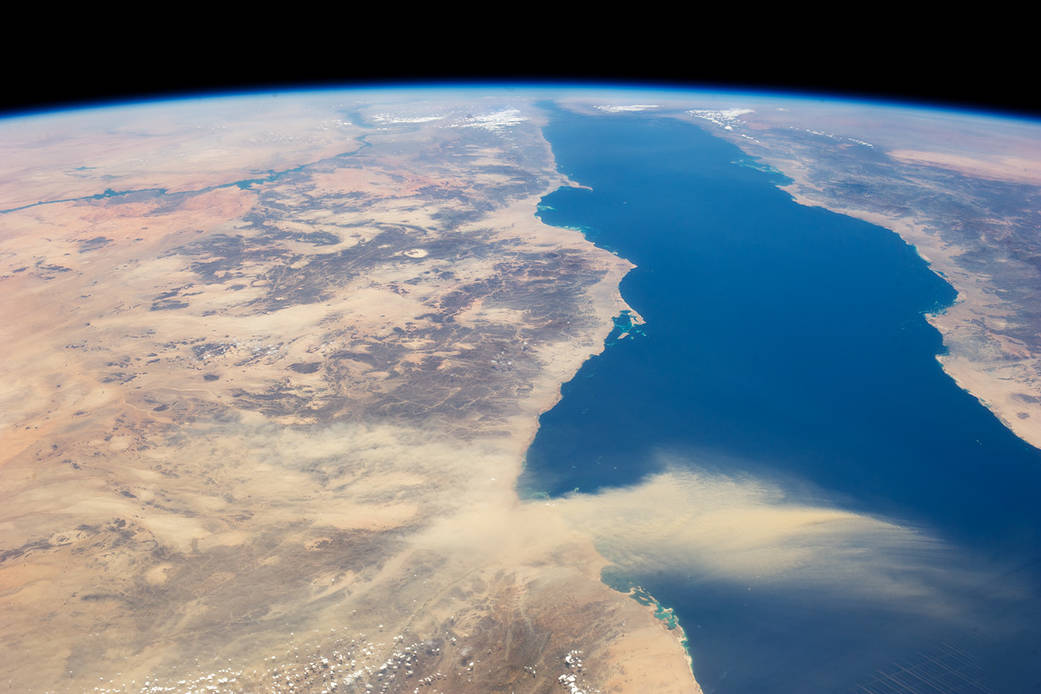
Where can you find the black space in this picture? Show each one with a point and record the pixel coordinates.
(979, 63)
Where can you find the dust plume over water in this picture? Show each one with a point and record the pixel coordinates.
(778, 456)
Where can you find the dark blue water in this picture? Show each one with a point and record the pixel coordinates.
(784, 341)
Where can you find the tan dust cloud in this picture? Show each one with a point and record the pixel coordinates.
(752, 532)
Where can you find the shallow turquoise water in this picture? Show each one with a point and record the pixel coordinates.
(782, 341)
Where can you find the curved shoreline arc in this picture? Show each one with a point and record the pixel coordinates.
(630, 589)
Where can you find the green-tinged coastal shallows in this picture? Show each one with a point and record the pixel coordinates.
(621, 583)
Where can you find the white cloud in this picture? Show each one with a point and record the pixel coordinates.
(494, 121)
(725, 118)
(630, 107)
(392, 119)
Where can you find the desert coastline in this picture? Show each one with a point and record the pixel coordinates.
(290, 417)
(1002, 375)
(965, 210)
(653, 651)
(735, 450)
(607, 303)
(272, 436)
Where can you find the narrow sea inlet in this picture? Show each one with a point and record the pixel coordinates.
(841, 507)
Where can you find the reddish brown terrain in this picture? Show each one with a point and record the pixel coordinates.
(271, 366)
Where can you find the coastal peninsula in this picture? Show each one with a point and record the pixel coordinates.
(963, 189)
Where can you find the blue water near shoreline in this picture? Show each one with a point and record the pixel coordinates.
(783, 342)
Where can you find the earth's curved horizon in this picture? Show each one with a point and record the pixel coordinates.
(274, 362)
